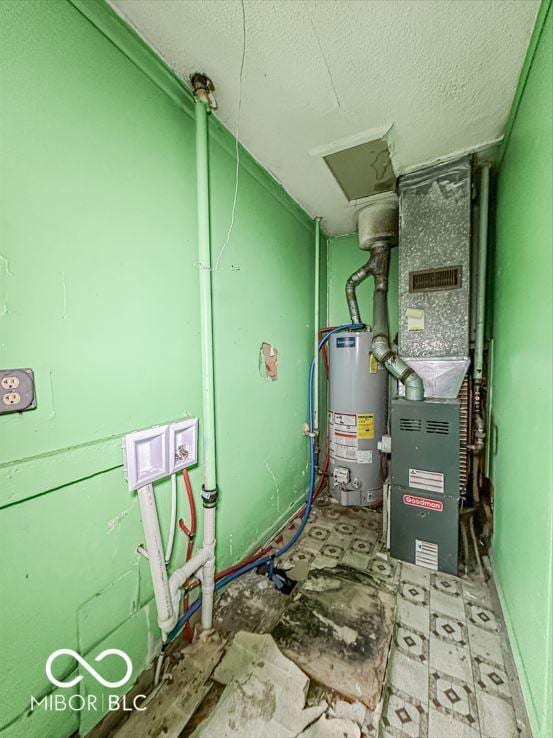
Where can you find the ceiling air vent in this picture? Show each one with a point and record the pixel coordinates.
(431, 280)
(410, 424)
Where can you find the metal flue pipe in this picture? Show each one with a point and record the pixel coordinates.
(382, 351)
(377, 267)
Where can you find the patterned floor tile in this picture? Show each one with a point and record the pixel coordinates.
(297, 565)
(453, 697)
(447, 604)
(361, 545)
(442, 725)
(477, 592)
(332, 551)
(356, 560)
(491, 677)
(372, 522)
(411, 642)
(413, 592)
(447, 584)
(497, 716)
(318, 533)
(482, 617)
(384, 570)
(408, 675)
(448, 629)
(416, 574)
(485, 643)
(451, 659)
(404, 715)
(416, 616)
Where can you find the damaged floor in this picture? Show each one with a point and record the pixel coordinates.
(364, 646)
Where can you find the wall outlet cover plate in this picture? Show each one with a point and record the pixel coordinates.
(17, 390)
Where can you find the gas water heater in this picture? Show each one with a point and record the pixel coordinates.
(360, 360)
(356, 418)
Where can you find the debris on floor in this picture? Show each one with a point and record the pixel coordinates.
(445, 674)
(171, 707)
(252, 604)
(264, 694)
(328, 727)
(338, 629)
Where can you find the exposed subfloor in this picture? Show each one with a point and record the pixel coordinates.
(430, 658)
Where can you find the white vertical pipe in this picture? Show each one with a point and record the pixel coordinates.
(316, 322)
(173, 520)
(156, 557)
(206, 317)
(208, 570)
(209, 491)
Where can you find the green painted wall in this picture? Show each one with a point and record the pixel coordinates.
(522, 385)
(344, 258)
(99, 295)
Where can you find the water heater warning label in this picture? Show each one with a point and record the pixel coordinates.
(345, 430)
(428, 480)
(365, 426)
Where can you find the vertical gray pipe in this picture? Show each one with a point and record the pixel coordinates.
(377, 266)
(482, 264)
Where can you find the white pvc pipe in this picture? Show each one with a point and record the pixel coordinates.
(156, 558)
(316, 325)
(208, 570)
(173, 521)
(179, 577)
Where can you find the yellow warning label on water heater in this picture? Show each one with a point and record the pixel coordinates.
(373, 364)
(365, 426)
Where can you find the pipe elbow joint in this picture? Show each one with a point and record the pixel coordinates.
(414, 387)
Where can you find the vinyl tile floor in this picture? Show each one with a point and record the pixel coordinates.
(450, 672)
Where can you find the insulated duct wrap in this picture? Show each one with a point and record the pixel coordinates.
(434, 239)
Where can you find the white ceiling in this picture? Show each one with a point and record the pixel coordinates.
(323, 72)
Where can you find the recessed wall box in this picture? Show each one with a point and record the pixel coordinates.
(146, 456)
(183, 444)
(157, 452)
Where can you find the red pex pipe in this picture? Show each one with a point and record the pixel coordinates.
(259, 554)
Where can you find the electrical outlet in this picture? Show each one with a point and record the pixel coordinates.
(17, 390)
(10, 382)
(11, 398)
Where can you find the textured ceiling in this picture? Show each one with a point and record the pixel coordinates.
(441, 74)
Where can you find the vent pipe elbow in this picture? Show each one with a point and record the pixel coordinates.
(351, 286)
(377, 225)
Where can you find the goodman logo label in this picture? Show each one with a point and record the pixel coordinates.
(86, 665)
(100, 702)
(423, 502)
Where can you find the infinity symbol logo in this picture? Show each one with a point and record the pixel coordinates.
(86, 665)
